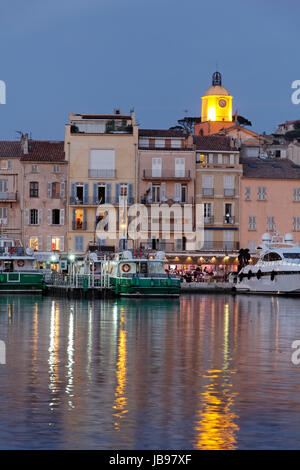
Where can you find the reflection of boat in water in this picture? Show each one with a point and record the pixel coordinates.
(136, 276)
(277, 270)
(17, 268)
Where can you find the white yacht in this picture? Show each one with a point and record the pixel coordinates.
(277, 270)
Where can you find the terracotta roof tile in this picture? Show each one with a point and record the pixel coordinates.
(270, 169)
(209, 142)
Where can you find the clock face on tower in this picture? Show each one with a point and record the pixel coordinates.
(222, 103)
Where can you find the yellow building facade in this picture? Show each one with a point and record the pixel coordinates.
(102, 152)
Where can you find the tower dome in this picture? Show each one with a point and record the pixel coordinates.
(216, 102)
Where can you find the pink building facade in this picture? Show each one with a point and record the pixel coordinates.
(270, 200)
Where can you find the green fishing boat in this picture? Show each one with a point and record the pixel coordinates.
(17, 269)
(134, 275)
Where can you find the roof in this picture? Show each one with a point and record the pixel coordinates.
(45, 151)
(104, 116)
(162, 133)
(217, 90)
(10, 149)
(213, 142)
(38, 150)
(270, 169)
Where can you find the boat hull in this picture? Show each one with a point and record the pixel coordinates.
(145, 287)
(281, 284)
(21, 282)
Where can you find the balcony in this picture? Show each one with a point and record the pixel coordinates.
(208, 192)
(9, 197)
(179, 246)
(220, 246)
(90, 201)
(209, 220)
(229, 192)
(106, 174)
(183, 175)
(229, 219)
(169, 201)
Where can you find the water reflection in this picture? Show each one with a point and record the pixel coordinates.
(201, 372)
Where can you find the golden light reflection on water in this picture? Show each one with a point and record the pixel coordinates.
(70, 364)
(216, 426)
(121, 372)
(53, 352)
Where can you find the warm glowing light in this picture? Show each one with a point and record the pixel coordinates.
(212, 111)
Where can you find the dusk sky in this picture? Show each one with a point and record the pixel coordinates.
(90, 56)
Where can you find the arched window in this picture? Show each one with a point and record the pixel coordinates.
(272, 257)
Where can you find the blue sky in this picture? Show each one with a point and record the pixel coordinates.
(156, 56)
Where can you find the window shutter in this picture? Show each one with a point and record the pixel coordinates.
(149, 195)
(163, 192)
(49, 218)
(117, 192)
(62, 189)
(108, 193)
(86, 193)
(179, 244)
(49, 190)
(177, 192)
(72, 193)
(62, 217)
(9, 165)
(62, 243)
(130, 194)
(40, 217)
(40, 243)
(49, 243)
(26, 216)
(84, 219)
(95, 193)
(73, 220)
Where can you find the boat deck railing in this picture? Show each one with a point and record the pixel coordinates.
(81, 281)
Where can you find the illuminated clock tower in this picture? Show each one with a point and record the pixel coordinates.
(216, 108)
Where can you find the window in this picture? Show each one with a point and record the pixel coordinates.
(296, 194)
(228, 217)
(261, 193)
(176, 144)
(55, 244)
(229, 186)
(159, 143)
(34, 243)
(78, 243)
(144, 143)
(5, 164)
(220, 159)
(252, 222)
(3, 215)
(271, 223)
(296, 223)
(102, 163)
(272, 257)
(123, 190)
(208, 185)
(179, 167)
(56, 168)
(34, 169)
(183, 193)
(210, 158)
(231, 159)
(34, 217)
(156, 167)
(247, 193)
(208, 212)
(55, 190)
(34, 189)
(156, 193)
(3, 186)
(55, 217)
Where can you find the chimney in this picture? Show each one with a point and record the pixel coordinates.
(117, 111)
(24, 143)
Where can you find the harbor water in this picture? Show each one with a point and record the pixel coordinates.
(200, 372)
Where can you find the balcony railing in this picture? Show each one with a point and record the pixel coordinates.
(209, 220)
(179, 246)
(10, 197)
(208, 192)
(167, 200)
(106, 174)
(166, 174)
(90, 201)
(220, 246)
(229, 192)
(229, 219)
